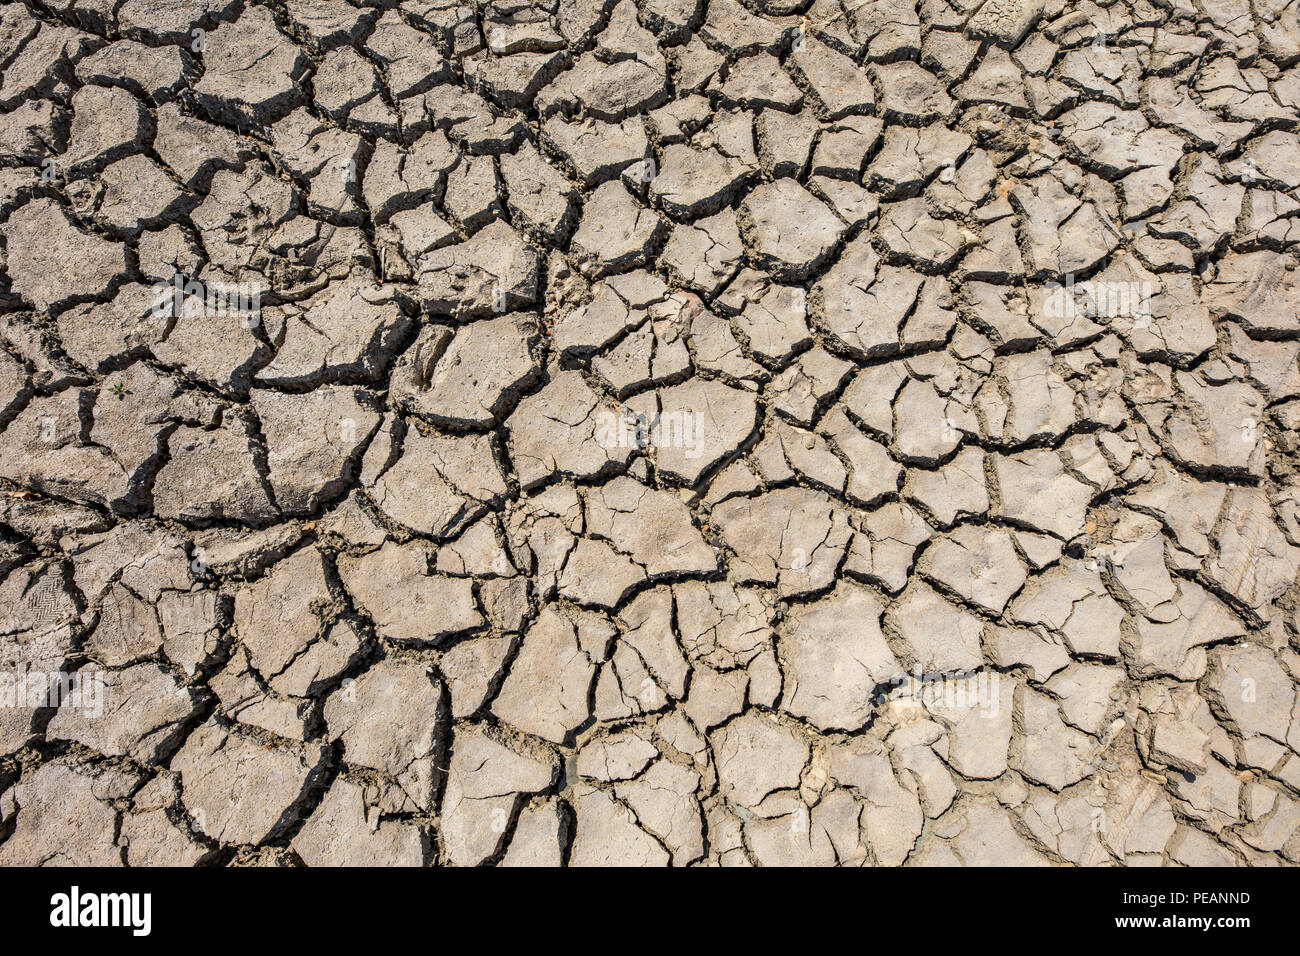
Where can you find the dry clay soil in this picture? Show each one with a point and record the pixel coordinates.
(669, 432)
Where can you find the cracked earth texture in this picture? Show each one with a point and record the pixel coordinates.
(676, 432)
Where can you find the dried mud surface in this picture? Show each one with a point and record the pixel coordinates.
(667, 433)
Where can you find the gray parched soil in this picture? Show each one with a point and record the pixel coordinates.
(649, 432)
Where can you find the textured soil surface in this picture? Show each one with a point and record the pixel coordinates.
(650, 433)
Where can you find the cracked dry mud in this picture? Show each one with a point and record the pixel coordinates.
(674, 432)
